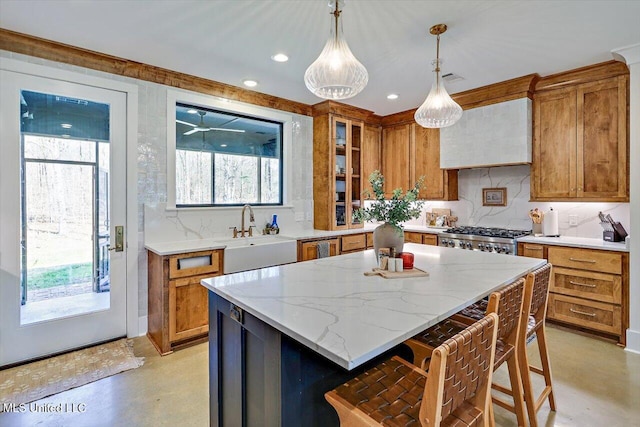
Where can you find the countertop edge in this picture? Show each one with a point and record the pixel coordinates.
(575, 242)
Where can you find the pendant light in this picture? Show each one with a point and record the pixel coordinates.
(438, 110)
(336, 74)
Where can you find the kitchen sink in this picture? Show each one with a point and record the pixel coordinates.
(248, 253)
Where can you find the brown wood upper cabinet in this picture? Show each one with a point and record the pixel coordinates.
(370, 154)
(580, 146)
(410, 151)
(337, 171)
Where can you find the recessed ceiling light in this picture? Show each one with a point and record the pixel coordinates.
(223, 99)
(223, 145)
(65, 136)
(192, 111)
(280, 57)
(250, 83)
(66, 125)
(392, 96)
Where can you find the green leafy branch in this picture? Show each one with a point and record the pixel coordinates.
(396, 210)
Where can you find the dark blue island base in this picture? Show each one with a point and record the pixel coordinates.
(260, 377)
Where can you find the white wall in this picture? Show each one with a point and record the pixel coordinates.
(152, 167)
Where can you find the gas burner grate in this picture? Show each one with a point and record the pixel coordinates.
(489, 232)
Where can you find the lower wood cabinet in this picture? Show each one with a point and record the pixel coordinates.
(308, 249)
(353, 243)
(422, 238)
(589, 288)
(178, 308)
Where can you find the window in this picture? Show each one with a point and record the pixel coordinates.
(226, 159)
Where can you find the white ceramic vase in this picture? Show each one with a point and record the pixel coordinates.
(388, 236)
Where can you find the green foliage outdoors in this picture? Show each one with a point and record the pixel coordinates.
(398, 209)
(42, 278)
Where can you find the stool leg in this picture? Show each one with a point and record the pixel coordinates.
(529, 398)
(546, 366)
(516, 388)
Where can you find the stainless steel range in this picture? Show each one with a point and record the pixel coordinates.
(499, 240)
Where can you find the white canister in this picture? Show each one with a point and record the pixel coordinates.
(392, 264)
(399, 265)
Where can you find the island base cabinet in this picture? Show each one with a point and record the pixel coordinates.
(259, 376)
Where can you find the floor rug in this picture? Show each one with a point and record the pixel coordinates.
(33, 381)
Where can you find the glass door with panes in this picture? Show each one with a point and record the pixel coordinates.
(62, 216)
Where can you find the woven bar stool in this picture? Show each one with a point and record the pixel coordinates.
(507, 302)
(536, 296)
(456, 390)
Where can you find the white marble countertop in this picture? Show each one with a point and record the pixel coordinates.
(576, 242)
(194, 245)
(329, 305)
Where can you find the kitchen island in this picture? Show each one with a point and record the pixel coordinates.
(280, 337)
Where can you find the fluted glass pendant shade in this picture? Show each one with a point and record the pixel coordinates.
(438, 110)
(336, 74)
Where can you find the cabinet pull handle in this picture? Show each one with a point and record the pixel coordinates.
(582, 284)
(582, 312)
(532, 248)
(590, 261)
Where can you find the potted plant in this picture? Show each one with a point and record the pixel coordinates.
(391, 212)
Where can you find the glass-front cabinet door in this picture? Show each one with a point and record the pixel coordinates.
(355, 180)
(346, 142)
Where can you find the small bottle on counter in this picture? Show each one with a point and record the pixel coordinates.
(399, 266)
(392, 264)
(274, 229)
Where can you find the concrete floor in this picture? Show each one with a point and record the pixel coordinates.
(596, 384)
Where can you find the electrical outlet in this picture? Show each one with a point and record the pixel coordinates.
(309, 216)
(573, 220)
(299, 216)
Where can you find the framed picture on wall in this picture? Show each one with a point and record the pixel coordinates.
(494, 196)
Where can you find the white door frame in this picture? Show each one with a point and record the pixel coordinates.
(131, 226)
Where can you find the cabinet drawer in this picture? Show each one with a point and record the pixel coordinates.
(354, 242)
(585, 313)
(412, 237)
(532, 250)
(586, 259)
(194, 263)
(586, 284)
(430, 239)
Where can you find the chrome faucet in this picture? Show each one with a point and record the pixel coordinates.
(251, 219)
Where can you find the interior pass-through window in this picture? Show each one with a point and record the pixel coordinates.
(226, 159)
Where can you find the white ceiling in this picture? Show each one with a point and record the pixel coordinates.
(232, 40)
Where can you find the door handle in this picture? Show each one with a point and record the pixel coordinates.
(119, 239)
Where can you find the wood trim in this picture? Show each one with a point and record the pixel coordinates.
(346, 111)
(586, 74)
(54, 51)
(520, 87)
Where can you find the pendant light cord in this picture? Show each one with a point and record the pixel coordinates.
(336, 14)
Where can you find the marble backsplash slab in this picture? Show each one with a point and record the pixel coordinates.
(516, 179)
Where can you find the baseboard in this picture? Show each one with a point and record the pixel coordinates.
(142, 325)
(633, 341)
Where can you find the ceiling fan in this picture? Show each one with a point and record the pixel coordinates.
(200, 127)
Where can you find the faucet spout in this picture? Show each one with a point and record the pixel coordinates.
(251, 219)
